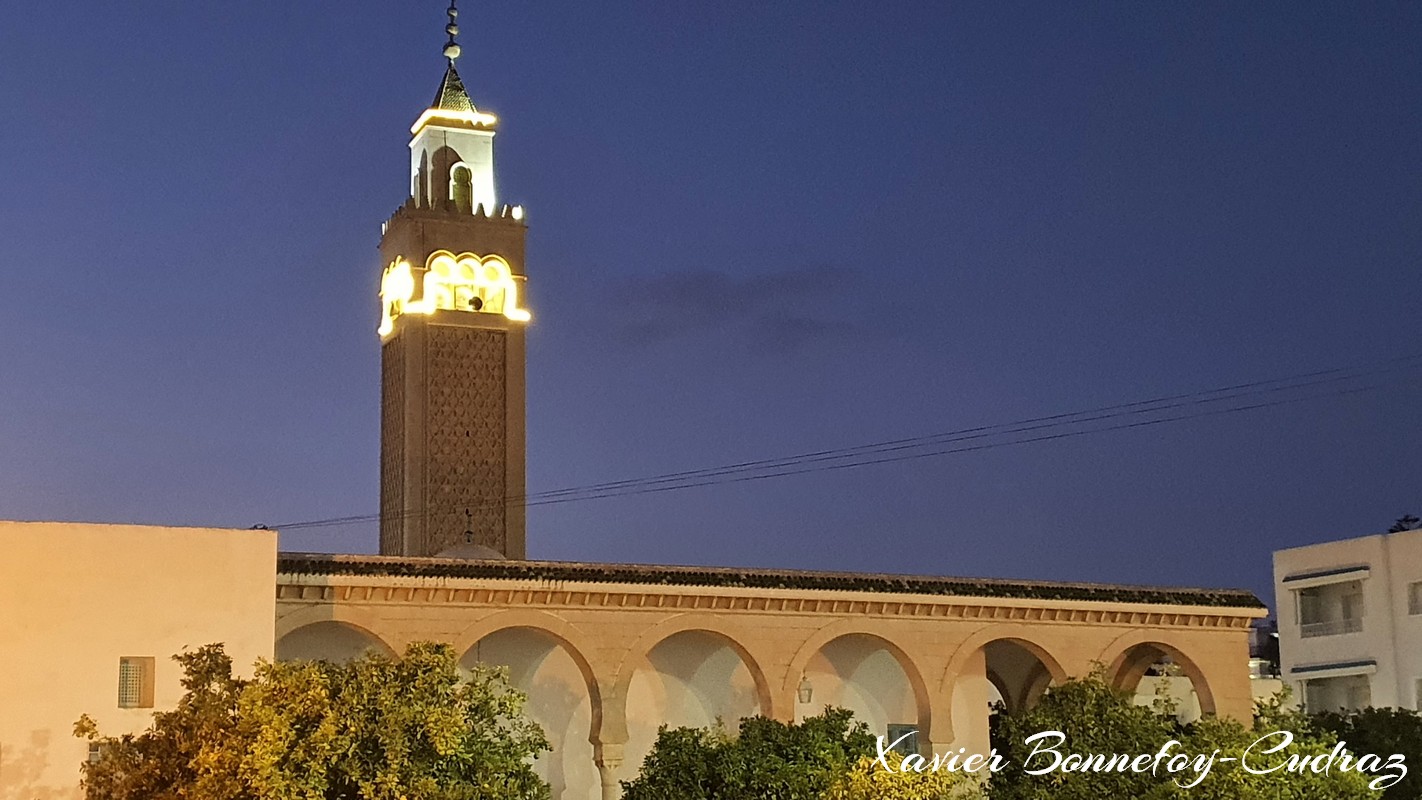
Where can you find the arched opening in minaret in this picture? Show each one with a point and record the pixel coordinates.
(422, 181)
(461, 187)
(442, 164)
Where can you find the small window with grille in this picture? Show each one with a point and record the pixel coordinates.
(135, 682)
(96, 752)
(903, 738)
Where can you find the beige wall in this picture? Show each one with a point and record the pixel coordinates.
(889, 657)
(74, 598)
(1187, 701)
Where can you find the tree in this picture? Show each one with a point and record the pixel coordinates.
(767, 760)
(166, 762)
(1406, 522)
(1229, 781)
(827, 757)
(379, 728)
(1382, 731)
(1097, 718)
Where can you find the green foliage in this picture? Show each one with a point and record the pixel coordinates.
(1230, 781)
(1406, 522)
(378, 728)
(1383, 731)
(768, 760)
(167, 761)
(868, 780)
(1095, 719)
(1099, 719)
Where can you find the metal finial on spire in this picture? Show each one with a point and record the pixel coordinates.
(451, 48)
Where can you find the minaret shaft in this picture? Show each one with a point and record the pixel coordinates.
(454, 309)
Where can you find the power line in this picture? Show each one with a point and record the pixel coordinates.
(915, 441)
(651, 487)
(686, 479)
(1046, 422)
(1046, 428)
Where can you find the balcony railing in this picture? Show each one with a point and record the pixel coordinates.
(1334, 627)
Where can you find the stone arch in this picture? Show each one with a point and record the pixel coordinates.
(440, 173)
(422, 181)
(841, 628)
(953, 718)
(615, 726)
(822, 637)
(1023, 674)
(329, 640)
(1131, 654)
(357, 618)
(468, 282)
(461, 186)
(1020, 635)
(689, 670)
(547, 658)
(998, 683)
(569, 637)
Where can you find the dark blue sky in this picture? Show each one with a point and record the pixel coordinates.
(755, 229)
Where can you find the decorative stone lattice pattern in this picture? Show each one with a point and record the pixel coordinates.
(392, 449)
(467, 437)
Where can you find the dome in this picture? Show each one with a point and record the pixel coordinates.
(471, 552)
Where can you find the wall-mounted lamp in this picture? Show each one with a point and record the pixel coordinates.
(806, 692)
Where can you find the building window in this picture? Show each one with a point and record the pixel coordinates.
(1414, 598)
(1344, 693)
(1331, 610)
(135, 688)
(1360, 696)
(96, 752)
(903, 738)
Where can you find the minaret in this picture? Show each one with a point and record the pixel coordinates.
(452, 341)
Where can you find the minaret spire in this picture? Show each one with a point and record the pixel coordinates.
(451, 48)
(452, 96)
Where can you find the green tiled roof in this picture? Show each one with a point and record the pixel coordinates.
(329, 564)
(451, 95)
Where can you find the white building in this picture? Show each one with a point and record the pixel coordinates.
(1350, 621)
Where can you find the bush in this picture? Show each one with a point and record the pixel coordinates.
(868, 780)
(768, 760)
(1383, 731)
(1096, 718)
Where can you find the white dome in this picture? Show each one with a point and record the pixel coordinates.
(471, 552)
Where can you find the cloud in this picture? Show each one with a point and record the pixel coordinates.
(786, 310)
